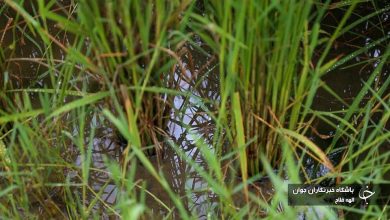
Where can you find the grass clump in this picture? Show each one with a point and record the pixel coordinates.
(77, 76)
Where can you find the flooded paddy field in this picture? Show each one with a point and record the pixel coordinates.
(191, 109)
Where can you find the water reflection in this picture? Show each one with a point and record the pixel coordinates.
(190, 117)
(189, 120)
(348, 79)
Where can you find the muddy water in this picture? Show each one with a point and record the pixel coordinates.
(348, 79)
(189, 117)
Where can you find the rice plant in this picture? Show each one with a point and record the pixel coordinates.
(189, 109)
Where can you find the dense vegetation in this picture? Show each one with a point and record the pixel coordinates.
(190, 109)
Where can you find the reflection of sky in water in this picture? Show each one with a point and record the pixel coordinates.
(189, 119)
(189, 122)
(103, 145)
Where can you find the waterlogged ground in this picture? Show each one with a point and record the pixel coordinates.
(189, 117)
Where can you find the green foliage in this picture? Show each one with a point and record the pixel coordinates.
(110, 70)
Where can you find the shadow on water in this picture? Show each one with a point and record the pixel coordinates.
(190, 116)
